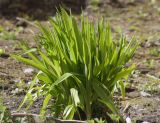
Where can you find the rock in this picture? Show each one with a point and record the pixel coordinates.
(144, 70)
(133, 94)
(157, 43)
(21, 23)
(144, 94)
(28, 70)
(128, 120)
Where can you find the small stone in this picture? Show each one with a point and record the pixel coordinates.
(16, 80)
(128, 120)
(16, 90)
(28, 70)
(29, 83)
(157, 43)
(144, 94)
(133, 94)
(21, 23)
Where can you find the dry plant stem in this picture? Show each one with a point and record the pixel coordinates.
(26, 21)
(34, 118)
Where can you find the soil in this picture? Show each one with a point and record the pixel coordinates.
(140, 18)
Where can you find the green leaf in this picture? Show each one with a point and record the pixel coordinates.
(75, 97)
(105, 96)
(124, 73)
(61, 79)
(122, 88)
(69, 112)
(45, 104)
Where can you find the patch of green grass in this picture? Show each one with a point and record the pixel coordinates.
(142, 15)
(150, 63)
(154, 52)
(5, 116)
(152, 85)
(78, 66)
(9, 35)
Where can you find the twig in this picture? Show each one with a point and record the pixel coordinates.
(126, 107)
(37, 118)
(26, 21)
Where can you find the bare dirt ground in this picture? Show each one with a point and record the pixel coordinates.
(141, 18)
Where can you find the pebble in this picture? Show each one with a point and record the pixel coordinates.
(133, 94)
(145, 94)
(28, 70)
(128, 120)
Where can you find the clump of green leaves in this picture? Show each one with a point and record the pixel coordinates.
(9, 35)
(5, 116)
(78, 66)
